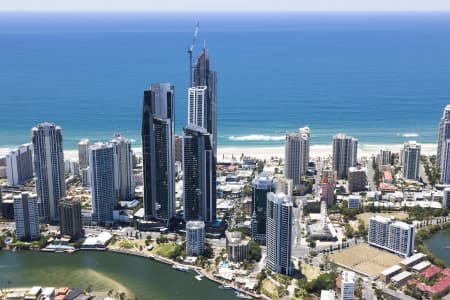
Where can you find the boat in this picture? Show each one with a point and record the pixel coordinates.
(180, 268)
(225, 287)
(198, 277)
(242, 295)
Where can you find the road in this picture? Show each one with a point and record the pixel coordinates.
(370, 173)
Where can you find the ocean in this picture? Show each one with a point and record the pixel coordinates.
(383, 78)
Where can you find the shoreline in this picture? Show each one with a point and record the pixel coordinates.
(227, 153)
(162, 260)
(198, 270)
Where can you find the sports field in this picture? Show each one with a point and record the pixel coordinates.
(365, 259)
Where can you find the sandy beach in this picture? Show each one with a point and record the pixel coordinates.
(227, 153)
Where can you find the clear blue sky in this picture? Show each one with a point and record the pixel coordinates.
(224, 5)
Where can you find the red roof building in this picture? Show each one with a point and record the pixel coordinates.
(430, 272)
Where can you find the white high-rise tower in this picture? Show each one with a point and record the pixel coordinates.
(49, 169)
(296, 153)
(444, 134)
(279, 233)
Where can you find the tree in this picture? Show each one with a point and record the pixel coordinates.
(254, 251)
(259, 167)
(247, 191)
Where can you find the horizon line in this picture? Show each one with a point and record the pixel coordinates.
(38, 11)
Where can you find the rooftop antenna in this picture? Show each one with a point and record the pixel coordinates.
(190, 50)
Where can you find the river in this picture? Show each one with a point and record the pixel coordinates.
(147, 279)
(437, 245)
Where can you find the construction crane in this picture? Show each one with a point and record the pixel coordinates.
(190, 50)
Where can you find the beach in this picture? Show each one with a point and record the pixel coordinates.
(316, 151)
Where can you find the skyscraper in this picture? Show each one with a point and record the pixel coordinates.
(205, 83)
(19, 165)
(26, 215)
(444, 134)
(385, 157)
(279, 233)
(262, 185)
(49, 169)
(411, 160)
(296, 155)
(124, 181)
(197, 101)
(445, 170)
(344, 154)
(198, 182)
(205, 77)
(83, 153)
(446, 198)
(102, 168)
(70, 218)
(158, 151)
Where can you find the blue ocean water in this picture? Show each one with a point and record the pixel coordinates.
(384, 78)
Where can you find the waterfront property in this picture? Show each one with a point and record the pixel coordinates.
(392, 235)
(195, 238)
(279, 233)
(49, 169)
(237, 247)
(26, 216)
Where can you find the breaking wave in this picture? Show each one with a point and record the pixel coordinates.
(257, 137)
(408, 134)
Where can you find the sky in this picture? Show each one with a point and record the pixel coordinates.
(222, 5)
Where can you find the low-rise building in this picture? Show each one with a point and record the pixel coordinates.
(327, 295)
(412, 260)
(97, 242)
(354, 201)
(387, 274)
(400, 280)
(421, 266)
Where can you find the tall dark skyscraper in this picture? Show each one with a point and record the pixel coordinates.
(198, 168)
(262, 185)
(202, 119)
(49, 169)
(205, 77)
(158, 152)
(345, 149)
(70, 218)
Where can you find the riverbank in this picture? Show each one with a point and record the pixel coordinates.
(423, 235)
(104, 271)
(196, 269)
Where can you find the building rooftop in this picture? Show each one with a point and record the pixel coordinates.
(431, 271)
(389, 271)
(421, 266)
(348, 277)
(412, 259)
(399, 277)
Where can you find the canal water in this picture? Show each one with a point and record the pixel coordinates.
(438, 244)
(103, 271)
